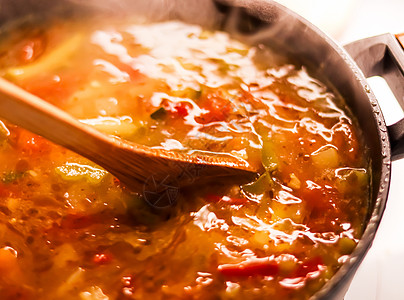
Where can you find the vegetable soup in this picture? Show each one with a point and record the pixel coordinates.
(70, 230)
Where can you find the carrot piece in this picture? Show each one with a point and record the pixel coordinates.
(8, 260)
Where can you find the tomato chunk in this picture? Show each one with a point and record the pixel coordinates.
(102, 258)
(218, 109)
(176, 109)
(33, 145)
(311, 265)
(252, 267)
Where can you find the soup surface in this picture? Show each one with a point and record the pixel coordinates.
(69, 230)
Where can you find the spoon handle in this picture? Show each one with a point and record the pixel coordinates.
(29, 111)
(40, 117)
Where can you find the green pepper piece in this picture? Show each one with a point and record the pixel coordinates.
(159, 114)
(262, 185)
(269, 158)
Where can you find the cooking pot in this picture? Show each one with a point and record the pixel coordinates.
(259, 21)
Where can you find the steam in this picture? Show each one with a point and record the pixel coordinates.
(192, 11)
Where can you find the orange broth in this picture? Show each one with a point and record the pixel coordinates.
(69, 230)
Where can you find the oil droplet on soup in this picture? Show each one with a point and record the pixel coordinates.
(69, 230)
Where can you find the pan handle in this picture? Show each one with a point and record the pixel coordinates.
(384, 56)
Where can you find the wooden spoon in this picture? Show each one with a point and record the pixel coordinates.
(135, 165)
